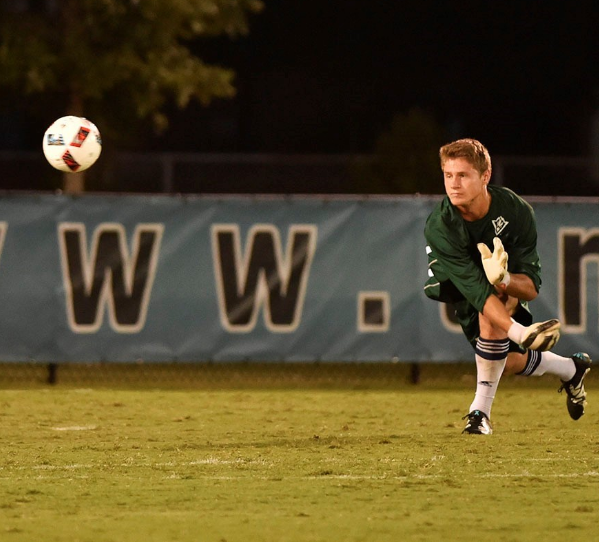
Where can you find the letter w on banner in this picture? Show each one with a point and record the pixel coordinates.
(108, 275)
(261, 277)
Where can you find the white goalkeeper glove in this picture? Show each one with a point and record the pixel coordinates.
(495, 264)
(541, 336)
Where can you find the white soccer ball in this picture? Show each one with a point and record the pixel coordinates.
(72, 144)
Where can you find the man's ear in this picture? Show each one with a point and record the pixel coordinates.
(487, 176)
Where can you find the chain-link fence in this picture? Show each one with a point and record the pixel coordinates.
(195, 173)
(211, 375)
(253, 375)
(189, 173)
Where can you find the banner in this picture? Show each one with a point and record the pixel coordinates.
(166, 278)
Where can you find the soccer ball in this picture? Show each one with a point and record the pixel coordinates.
(72, 144)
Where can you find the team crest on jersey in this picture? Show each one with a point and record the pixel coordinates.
(499, 224)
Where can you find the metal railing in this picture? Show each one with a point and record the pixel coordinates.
(175, 172)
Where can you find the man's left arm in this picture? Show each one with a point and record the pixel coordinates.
(520, 286)
(523, 256)
(516, 284)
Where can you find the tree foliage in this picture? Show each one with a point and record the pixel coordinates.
(405, 157)
(116, 59)
(91, 49)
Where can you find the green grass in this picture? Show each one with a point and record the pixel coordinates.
(294, 465)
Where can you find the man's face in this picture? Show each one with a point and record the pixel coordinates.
(463, 184)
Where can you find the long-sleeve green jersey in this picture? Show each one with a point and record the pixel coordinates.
(455, 268)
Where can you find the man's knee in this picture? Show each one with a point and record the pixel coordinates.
(516, 362)
(488, 330)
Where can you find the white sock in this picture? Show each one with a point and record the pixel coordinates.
(539, 363)
(515, 332)
(490, 358)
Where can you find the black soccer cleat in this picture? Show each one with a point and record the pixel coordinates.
(577, 397)
(478, 423)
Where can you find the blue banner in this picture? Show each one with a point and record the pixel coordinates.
(166, 278)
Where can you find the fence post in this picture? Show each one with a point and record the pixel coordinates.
(415, 373)
(167, 172)
(52, 373)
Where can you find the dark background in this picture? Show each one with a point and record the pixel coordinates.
(328, 76)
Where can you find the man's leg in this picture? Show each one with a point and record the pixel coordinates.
(490, 361)
(571, 371)
(535, 363)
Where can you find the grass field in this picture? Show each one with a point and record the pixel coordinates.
(294, 464)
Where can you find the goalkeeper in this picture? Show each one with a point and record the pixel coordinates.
(483, 259)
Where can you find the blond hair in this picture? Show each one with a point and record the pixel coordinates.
(470, 149)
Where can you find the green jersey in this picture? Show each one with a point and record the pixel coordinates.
(456, 273)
